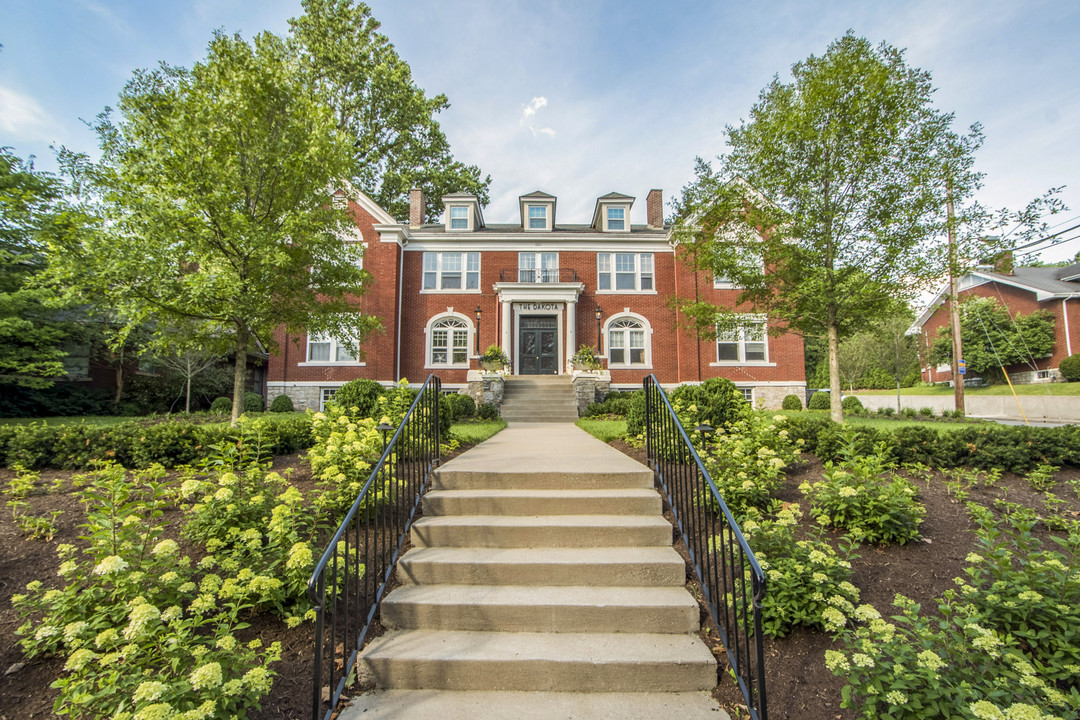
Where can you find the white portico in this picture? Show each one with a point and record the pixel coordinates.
(538, 324)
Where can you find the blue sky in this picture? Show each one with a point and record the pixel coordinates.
(582, 98)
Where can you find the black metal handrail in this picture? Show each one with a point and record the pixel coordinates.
(353, 573)
(720, 555)
(538, 275)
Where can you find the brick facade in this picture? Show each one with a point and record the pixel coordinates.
(395, 257)
(1019, 301)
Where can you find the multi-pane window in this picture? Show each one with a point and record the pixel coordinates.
(626, 343)
(538, 267)
(616, 218)
(451, 271)
(449, 342)
(745, 343)
(627, 272)
(323, 348)
(459, 217)
(748, 259)
(538, 217)
(77, 362)
(326, 396)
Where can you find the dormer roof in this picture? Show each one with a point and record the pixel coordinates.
(537, 211)
(474, 218)
(612, 200)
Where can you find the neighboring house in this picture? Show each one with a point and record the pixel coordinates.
(539, 289)
(1022, 290)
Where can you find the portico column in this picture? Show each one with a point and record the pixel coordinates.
(571, 326)
(506, 331)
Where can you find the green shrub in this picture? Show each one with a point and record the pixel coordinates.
(360, 394)
(861, 495)
(1042, 477)
(254, 402)
(851, 404)
(635, 414)
(221, 406)
(926, 412)
(616, 403)
(462, 405)
(282, 404)
(487, 411)
(1070, 368)
(719, 403)
(888, 411)
(791, 402)
(809, 582)
(908, 413)
(819, 401)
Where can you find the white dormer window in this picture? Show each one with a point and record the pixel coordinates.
(616, 218)
(459, 217)
(538, 217)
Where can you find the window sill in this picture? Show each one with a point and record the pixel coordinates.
(451, 292)
(629, 367)
(328, 363)
(736, 363)
(464, 366)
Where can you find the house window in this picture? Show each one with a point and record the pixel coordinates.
(616, 218)
(77, 362)
(448, 342)
(747, 393)
(325, 349)
(360, 249)
(743, 344)
(459, 217)
(624, 272)
(340, 202)
(538, 217)
(628, 344)
(534, 267)
(326, 396)
(749, 259)
(451, 271)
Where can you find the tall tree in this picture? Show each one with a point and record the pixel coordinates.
(32, 333)
(397, 142)
(213, 204)
(836, 170)
(895, 350)
(857, 355)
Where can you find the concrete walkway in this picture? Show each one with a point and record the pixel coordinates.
(541, 585)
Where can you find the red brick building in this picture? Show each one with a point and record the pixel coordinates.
(1023, 290)
(538, 288)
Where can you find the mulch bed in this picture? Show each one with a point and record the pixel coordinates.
(799, 685)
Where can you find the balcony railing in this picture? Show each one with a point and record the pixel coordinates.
(538, 275)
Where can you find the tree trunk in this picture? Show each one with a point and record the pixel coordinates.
(239, 373)
(898, 395)
(835, 410)
(187, 399)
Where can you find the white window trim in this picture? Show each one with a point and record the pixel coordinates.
(645, 326)
(637, 274)
(742, 362)
(450, 218)
(323, 398)
(363, 252)
(538, 266)
(626, 218)
(334, 344)
(528, 217)
(439, 273)
(470, 341)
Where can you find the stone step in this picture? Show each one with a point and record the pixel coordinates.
(538, 474)
(629, 566)
(542, 531)
(541, 609)
(479, 705)
(629, 501)
(566, 662)
(565, 419)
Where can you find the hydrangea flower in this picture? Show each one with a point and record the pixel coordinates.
(206, 676)
(109, 565)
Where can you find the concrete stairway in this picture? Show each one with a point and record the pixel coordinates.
(541, 584)
(539, 398)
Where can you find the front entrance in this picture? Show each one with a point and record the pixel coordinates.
(538, 344)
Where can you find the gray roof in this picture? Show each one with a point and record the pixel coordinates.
(1047, 279)
(538, 195)
(614, 196)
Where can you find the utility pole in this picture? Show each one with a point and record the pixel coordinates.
(954, 304)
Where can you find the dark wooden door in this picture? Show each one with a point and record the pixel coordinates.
(538, 345)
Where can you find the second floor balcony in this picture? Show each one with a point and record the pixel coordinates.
(538, 275)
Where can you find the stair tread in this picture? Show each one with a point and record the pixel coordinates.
(561, 595)
(643, 521)
(602, 493)
(589, 648)
(544, 556)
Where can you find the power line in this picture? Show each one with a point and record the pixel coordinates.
(1044, 239)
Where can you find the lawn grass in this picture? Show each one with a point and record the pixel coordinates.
(604, 430)
(1063, 389)
(885, 423)
(476, 432)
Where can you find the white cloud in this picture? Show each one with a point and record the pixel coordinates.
(21, 116)
(529, 111)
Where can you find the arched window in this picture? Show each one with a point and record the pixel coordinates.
(629, 342)
(448, 341)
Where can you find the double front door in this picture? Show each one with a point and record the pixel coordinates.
(538, 345)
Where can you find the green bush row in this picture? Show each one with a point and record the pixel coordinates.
(135, 444)
(1014, 448)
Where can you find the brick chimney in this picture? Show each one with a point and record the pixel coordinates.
(1003, 263)
(416, 208)
(654, 205)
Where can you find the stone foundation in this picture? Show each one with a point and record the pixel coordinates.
(771, 397)
(485, 387)
(303, 396)
(590, 387)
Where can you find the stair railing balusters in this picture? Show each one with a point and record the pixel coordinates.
(722, 561)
